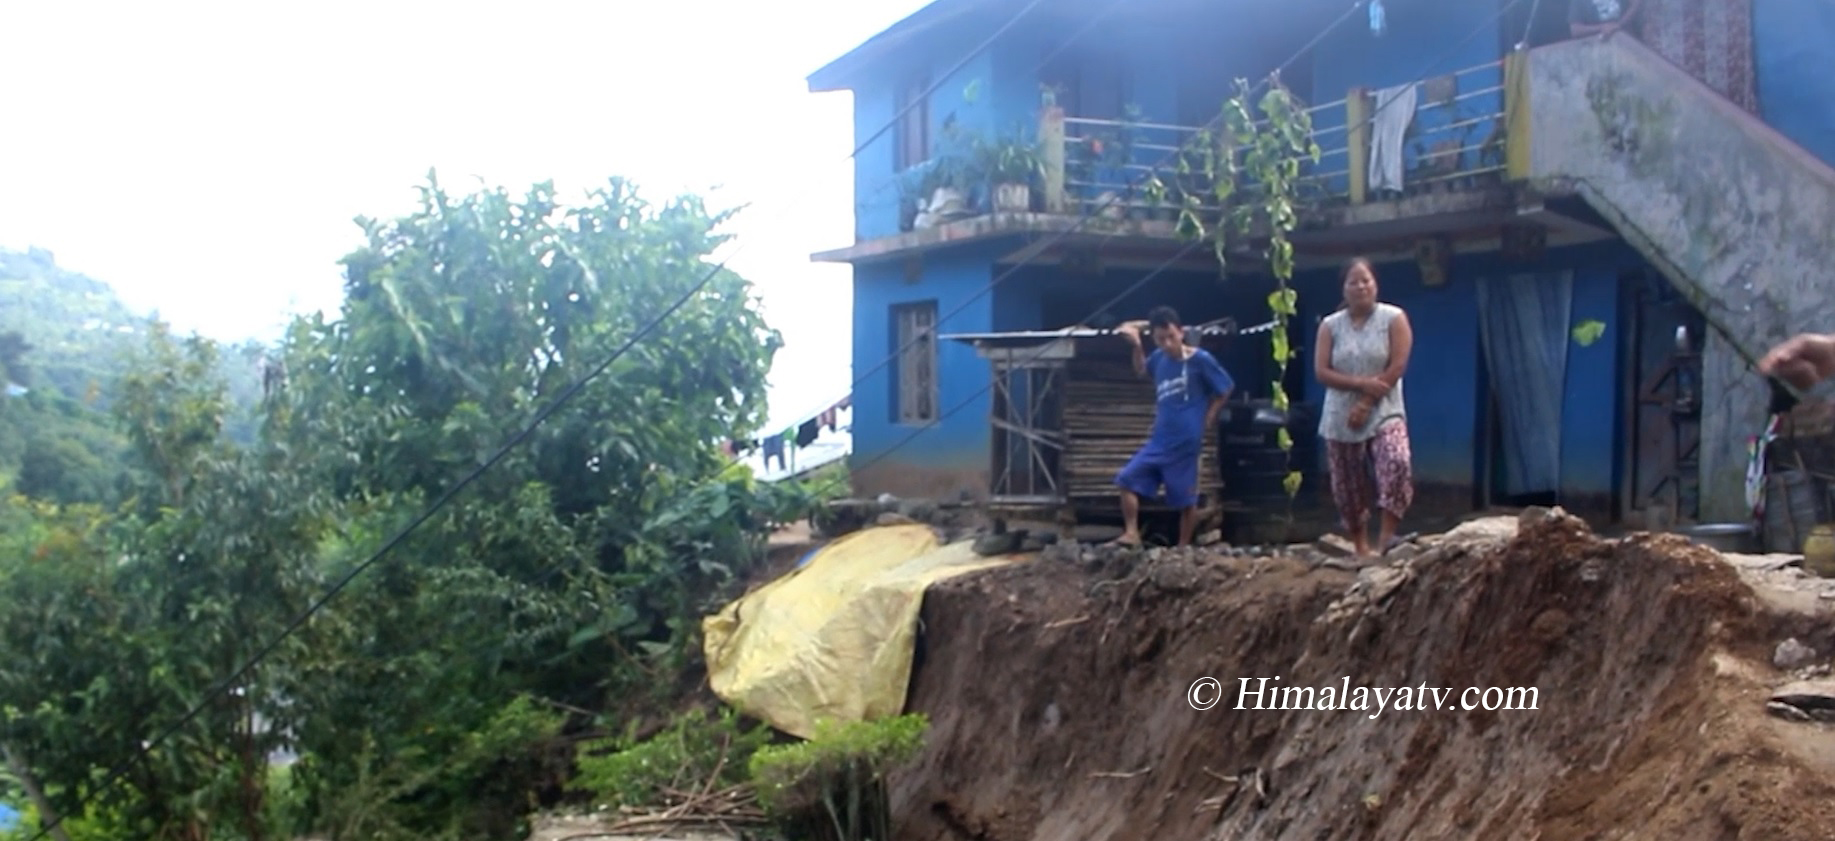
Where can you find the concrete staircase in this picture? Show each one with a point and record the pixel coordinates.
(1737, 216)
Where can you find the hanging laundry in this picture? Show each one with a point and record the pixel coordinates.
(1388, 130)
(846, 403)
(1378, 18)
(827, 418)
(806, 434)
(774, 448)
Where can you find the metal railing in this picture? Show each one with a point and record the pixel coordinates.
(1456, 131)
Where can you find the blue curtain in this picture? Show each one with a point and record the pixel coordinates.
(1523, 323)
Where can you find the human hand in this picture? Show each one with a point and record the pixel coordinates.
(1131, 330)
(1360, 414)
(1803, 361)
(1372, 388)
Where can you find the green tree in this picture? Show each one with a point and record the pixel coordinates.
(574, 569)
(420, 699)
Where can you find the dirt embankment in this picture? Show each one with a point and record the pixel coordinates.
(1058, 696)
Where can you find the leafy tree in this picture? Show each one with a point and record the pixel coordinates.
(574, 568)
(422, 698)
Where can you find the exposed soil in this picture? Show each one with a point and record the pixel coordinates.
(1058, 689)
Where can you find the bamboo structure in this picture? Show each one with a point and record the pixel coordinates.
(1068, 414)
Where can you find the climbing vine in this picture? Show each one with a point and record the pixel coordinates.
(1239, 183)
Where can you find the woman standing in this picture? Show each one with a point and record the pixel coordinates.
(1361, 354)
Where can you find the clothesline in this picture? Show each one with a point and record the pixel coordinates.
(800, 435)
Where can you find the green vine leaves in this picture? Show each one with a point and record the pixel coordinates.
(1240, 184)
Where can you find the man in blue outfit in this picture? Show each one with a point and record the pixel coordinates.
(1190, 389)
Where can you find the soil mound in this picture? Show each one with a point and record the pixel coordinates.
(1058, 694)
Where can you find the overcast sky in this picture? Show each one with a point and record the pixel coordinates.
(206, 158)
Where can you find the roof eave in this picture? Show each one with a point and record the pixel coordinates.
(841, 74)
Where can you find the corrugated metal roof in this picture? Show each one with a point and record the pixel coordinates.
(1226, 327)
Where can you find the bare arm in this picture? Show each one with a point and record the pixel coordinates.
(1216, 408)
(1132, 332)
(1401, 344)
(1322, 363)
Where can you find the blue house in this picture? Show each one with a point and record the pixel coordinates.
(1595, 234)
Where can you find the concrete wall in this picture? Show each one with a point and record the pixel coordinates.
(1791, 47)
(951, 456)
(1723, 205)
(969, 95)
(1444, 382)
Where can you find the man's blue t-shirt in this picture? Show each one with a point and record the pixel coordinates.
(1185, 389)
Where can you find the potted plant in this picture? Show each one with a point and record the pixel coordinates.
(940, 192)
(1009, 168)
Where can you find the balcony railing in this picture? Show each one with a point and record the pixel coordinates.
(1456, 137)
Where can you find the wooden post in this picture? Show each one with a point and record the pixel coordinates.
(1051, 151)
(1357, 141)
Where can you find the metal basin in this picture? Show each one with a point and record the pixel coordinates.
(1739, 538)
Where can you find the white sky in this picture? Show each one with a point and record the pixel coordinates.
(206, 159)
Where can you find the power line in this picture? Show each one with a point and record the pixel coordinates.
(147, 747)
(1055, 51)
(1179, 255)
(1092, 210)
(529, 429)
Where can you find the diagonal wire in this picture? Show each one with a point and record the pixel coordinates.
(1092, 210)
(147, 747)
(1132, 288)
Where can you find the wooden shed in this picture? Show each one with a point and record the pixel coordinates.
(1068, 412)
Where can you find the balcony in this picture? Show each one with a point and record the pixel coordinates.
(1458, 176)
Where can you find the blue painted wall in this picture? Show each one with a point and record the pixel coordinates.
(970, 95)
(1423, 39)
(1443, 379)
(1791, 48)
(952, 279)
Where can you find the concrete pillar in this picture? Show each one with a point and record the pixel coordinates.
(1357, 140)
(1051, 149)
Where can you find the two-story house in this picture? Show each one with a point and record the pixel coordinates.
(1594, 234)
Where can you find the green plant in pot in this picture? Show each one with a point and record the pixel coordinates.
(942, 193)
(1009, 168)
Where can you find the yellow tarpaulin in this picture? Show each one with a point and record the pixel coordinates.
(834, 639)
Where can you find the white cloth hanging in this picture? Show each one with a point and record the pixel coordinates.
(1388, 126)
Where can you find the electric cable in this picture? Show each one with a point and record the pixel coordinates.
(1168, 263)
(146, 748)
(1091, 210)
(209, 697)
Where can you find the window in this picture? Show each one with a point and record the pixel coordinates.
(915, 341)
(913, 139)
(1091, 83)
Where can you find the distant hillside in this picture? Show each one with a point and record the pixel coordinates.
(56, 439)
(76, 325)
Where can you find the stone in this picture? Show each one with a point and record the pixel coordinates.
(1792, 654)
(1807, 694)
(1335, 546)
(1210, 538)
(998, 544)
(1786, 712)
(917, 509)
